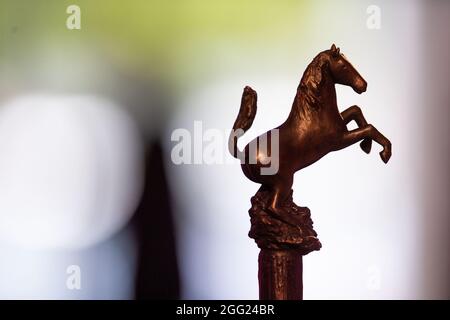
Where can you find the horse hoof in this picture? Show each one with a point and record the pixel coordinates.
(385, 155)
(366, 145)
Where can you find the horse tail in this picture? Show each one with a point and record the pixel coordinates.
(244, 120)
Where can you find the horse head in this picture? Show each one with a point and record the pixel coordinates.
(343, 72)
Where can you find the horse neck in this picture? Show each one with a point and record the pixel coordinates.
(325, 101)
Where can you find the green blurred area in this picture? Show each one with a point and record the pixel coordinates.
(175, 38)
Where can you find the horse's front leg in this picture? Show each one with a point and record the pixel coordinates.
(367, 132)
(355, 113)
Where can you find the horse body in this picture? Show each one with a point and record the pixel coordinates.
(314, 128)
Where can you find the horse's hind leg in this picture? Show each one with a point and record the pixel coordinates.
(280, 191)
(355, 113)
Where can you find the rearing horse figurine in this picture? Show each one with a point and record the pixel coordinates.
(314, 128)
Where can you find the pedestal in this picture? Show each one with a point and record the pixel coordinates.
(280, 275)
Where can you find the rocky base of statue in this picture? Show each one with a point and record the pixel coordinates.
(272, 233)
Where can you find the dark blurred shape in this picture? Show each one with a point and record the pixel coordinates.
(157, 267)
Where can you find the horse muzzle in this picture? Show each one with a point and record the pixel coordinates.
(360, 86)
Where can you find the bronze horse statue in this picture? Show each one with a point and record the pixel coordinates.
(313, 128)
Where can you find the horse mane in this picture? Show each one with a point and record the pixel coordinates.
(311, 82)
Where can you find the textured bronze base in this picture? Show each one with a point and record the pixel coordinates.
(270, 232)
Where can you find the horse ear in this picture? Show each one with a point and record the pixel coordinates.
(333, 47)
(338, 51)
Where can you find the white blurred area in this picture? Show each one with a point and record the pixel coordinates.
(70, 178)
(70, 168)
(368, 215)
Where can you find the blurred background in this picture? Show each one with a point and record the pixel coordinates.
(92, 205)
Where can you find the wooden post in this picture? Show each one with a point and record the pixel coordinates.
(280, 275)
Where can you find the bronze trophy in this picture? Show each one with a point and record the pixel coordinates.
(282, 230)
